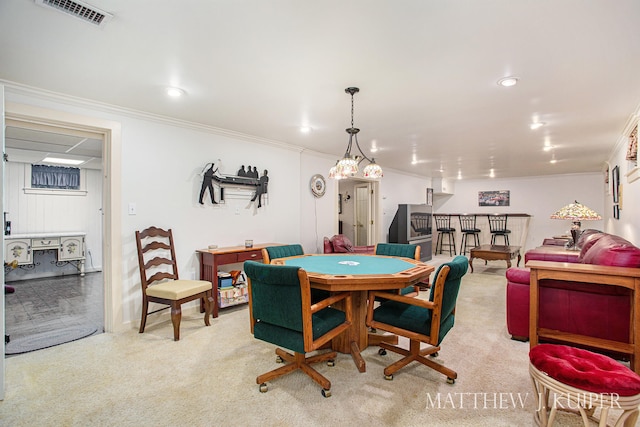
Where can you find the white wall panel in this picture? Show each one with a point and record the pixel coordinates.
(53, 213)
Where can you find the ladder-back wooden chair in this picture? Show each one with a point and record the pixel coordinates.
(160, 281)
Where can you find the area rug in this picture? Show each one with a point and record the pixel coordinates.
(48, 339)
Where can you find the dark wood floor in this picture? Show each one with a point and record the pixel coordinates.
(48, 304)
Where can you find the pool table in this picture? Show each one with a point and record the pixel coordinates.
(358, 273)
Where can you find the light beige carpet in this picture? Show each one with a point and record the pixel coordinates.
(208, 377)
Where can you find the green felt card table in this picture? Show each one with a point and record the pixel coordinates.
(358, 274)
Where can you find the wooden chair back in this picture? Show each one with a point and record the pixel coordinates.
(468, 223)
(274, 252)
(443, 222)
(398, 249)
(156, 256)
(497, 223)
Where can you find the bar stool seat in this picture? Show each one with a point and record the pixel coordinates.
(443, 227)
(468, 228)
(572, 378)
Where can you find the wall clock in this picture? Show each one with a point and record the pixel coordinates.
(318, 185)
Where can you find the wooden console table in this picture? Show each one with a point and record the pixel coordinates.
(211, 259)
(69, 248)
(493, 253)
(604, 275)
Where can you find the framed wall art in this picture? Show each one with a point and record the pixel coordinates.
(494, 198)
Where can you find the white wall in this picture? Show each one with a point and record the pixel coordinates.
(318, 215)
(628, 225)
(397, 188)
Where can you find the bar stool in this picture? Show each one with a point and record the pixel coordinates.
(443, 227)
(498, 227)
(468, 228)
(568, 378)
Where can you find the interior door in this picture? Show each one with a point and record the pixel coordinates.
(363, 215)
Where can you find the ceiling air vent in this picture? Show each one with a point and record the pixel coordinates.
(80, 10)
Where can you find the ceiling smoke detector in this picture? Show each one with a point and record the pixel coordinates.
(79, 9)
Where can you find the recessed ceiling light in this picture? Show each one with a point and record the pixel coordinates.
(508, 81)
(305, 129)
(62, 161)
(175, 92)
(536, 125)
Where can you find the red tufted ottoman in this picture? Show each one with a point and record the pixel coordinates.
(569, 378)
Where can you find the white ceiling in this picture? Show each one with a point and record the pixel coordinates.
(426, 69)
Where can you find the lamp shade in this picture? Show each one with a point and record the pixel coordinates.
(576, 212)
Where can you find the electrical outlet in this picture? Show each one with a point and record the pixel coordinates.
(237, 211)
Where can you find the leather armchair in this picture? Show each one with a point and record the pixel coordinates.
(339, 243)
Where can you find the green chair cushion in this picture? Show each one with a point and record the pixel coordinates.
(322, 321)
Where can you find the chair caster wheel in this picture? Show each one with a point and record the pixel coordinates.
(326, 392)
(279, 359)
(263, 388)
(331, 362)
(434, 354)
(388, 377)
(382, 352)
(451, 380)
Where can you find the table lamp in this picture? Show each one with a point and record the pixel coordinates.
(576, 212)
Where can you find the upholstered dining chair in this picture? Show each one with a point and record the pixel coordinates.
(160, 281)
(274, 252)
(421, 321)
(401, 250)
(282, 313)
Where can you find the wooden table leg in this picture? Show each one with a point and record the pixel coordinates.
(471, 263)
(356, 337)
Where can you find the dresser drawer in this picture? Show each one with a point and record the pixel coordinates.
(45, 243)
(226, 258)
(250, 256)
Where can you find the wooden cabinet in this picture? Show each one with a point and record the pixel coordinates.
(69, 248)
(18, 250)
(211, 259)
(442, 186)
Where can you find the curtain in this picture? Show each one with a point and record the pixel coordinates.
(43, 176)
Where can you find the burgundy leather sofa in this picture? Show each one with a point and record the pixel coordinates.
(590, 309)
(341, 244)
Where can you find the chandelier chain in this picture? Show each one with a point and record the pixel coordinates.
(352, 111)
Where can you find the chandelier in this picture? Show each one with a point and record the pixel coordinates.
(348, 165)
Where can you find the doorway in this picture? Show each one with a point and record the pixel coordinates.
(111, 185)
(359, 216)
(49, 295)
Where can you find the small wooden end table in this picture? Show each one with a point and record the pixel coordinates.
(493, 253)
